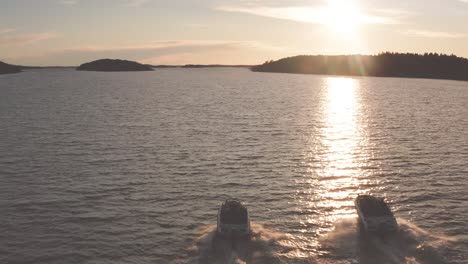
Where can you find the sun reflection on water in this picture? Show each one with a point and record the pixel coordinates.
(340, 140)
(341, 154)
(336, 164)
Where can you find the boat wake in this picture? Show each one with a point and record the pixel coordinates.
(265, 246)
(410, 244)
(344, 244)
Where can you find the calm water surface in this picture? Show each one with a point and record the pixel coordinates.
(131, 167)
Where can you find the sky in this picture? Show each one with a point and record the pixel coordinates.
(175, 32)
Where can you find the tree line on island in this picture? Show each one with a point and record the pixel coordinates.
(8, 68)
(113, 65)
(403, 65)
(104, 65)
(108, 65)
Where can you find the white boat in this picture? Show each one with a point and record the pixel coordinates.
(375, 216)
(233, 220)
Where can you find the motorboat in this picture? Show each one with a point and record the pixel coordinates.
(233, 220)
(375, 216)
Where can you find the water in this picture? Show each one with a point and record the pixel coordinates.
(131, 167)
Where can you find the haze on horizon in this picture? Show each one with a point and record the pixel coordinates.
(70, 32)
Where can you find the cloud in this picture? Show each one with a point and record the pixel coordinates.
(68, 2)
(217, 52)
(171, 44)
(132, 3)
(136, 2)
(6, 30)
(435, 34)
(196, 25)
(315, 14)
(9, 37)
(162, 52)
(155, 45)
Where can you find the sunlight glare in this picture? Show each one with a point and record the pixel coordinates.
(339, 176)
(343, 17)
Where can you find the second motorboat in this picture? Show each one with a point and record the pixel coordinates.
(233, 220)
(375, 216)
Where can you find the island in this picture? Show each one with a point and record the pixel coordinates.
(110, 65)
(403, 65)
(8, 68)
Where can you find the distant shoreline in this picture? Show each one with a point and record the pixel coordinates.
(398, 65)
(8, 68)
(194, 66)
(186, 66)
(395, 65)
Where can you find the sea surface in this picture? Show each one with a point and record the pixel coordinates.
(132, 167)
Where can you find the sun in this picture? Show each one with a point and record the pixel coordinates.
(343, 17)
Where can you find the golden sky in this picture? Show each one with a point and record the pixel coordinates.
(70, 32)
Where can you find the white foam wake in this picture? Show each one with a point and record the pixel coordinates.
(265, 246)
(410, 244)
(343, 244)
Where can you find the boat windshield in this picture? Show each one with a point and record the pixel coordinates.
(371, 206)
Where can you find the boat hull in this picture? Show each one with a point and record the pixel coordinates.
(374, 216)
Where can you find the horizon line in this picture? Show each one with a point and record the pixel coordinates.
(241, 65)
